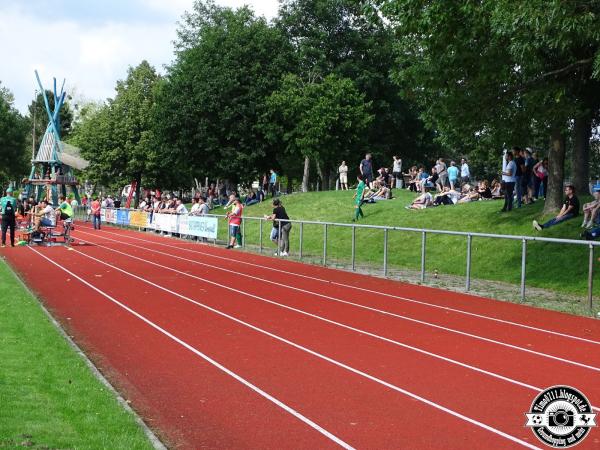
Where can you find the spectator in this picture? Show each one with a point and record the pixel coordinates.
(447, 197)
(453, 175)
(442, 173)
(95, 212)
(519, 161)
(528, 177)
(397, 172)
(45, 216)
(8, 204)
(422, 178)
(273, 183)
(496, 190)
(509, 169)
(366, 169)
(484, 190)
(117, 202)
(432, 181)
(569, 210)
(359, 197)
(413, 178)
(421, 202)
(343, 172)
(202, 207)
(281, 224)
(180, 207)
(265, 183)
(465, 173)
(251, 198)
(195, 207)
(591, 209)
(235, 221)
(540, 171)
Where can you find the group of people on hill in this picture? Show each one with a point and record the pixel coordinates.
(524, 177)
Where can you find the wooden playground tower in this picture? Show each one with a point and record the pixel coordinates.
(52, 167)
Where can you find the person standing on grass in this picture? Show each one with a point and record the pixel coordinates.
(397, 172)
(465, 172)
(519, 160)
(442, 174)
(509, 170)
(9, 211)
(235, 222)
(343, 171)
(366, 169)
(359, 197)
(281, 224)
(95, 210)
(273, 183)
(569, 210)
(453, 175)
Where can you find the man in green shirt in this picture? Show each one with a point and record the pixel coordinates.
(358, 198)
(64, 209)
(9, 211)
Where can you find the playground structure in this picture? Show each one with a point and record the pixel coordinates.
(52, 168)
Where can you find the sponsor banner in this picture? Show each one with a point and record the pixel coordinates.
(165, 222)
(108, 215)
(122, 217)
(202, 226)
(138, 219)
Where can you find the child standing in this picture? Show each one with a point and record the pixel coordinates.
(235, 221)
(358, 198)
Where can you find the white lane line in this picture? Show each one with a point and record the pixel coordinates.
(371, 291)
(410, 319)
(318, 355)
(208, 359)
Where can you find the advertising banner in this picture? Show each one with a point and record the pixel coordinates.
(138, 219)
(122, 217)
(165, 222)
(108, 215)
(202, 226)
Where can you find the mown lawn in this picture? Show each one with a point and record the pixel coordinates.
(49, 397)
(552, 266)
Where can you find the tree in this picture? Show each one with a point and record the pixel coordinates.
(13, 139)
(210, 105)
(500, 70)
(119, 139)
(320, 121)
(344, 38)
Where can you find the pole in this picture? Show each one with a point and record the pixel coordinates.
(260, 237)
(243, 233)
(523, 268)
(591, 279)
(33, 126)
(423, 241)
(353, 248)
(325, 244)
(301, 239)
(468, 286)
(278, 238)
(385, 252)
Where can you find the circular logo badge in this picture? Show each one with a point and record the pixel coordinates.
(560, 416)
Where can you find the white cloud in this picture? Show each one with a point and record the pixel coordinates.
(91, 55)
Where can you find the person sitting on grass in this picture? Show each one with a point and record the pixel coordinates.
(447, 197)
(361, 191)
(235, 220)
(591, 209)
(421, 202)
(484, 190)
(430, 181)
(469, 194)
(569, 210)
(251, 198)
(383, 193)
(412, 179)
(497, 190)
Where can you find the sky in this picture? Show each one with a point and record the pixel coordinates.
(90, 43)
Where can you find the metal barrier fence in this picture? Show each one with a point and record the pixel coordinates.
(424, 232)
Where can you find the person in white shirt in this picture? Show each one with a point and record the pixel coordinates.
(195, 207)
(180, 207)
(45, 216)
(509, 172)
(465, 173)
(343, 171)
(397, 172)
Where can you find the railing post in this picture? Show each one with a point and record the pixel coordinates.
(301, 238)
(260, 237)
(243, 233)
(523, 267)
(385, 249)
(591, 279)
(325, 244)
(468, 286)
(423, 243)
(353, 248)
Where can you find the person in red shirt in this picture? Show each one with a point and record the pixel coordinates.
(235, 221)
(95, 209)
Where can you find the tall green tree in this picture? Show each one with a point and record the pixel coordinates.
(209, 107)
(13, 139)
(320, 121)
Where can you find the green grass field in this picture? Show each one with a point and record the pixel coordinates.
(555, 267)
(49, 397)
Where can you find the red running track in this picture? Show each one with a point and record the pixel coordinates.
(225, 349)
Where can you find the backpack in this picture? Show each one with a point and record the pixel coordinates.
(9, 210)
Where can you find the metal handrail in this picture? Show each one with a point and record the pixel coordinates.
(424, 232)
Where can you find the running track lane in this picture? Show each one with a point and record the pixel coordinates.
(328, 387)
(161, 275)
(539, 370)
